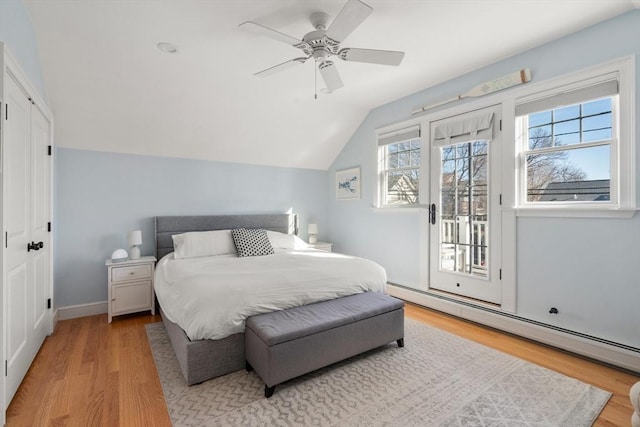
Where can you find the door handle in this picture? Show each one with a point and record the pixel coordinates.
(432, 214)
(34, 246)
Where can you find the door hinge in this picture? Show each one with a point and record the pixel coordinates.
(500, 200)
(49, 303)
(6, 111)
(5, 368)
(500, 124)
(6, 238)
(49, 150)
(500, 274)
(49, 227)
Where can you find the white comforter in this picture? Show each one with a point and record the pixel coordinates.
(210, 297)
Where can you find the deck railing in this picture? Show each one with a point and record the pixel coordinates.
(471, 240)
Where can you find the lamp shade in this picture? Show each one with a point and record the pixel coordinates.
(135, 238)
(313, 229)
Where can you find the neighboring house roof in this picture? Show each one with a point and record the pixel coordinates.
(403, 189)
(584, 191)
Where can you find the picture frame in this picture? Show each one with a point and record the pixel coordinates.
(348, 184)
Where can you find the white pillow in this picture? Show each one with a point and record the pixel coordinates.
(285, 242)
(203, 243)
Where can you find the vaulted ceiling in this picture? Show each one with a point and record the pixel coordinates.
(112, 89)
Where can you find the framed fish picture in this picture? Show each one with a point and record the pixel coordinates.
(348, 184)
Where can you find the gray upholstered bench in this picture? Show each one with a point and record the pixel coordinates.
(285, 344)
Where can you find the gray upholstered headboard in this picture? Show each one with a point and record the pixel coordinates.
(166, 226)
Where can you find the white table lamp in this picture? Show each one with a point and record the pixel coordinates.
(312, 230)
(135, 240)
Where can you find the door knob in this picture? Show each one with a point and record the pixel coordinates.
(34, 246)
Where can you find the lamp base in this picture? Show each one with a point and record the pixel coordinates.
(134, 253)
(313, 239)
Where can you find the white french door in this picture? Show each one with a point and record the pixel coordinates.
(465, 205)
(26, 183)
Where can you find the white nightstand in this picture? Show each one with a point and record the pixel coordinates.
(323, 246)
(131, 286)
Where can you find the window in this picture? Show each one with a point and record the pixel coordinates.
(567, 147)
(399, 168)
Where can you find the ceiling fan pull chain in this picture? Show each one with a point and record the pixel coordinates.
(315, 82)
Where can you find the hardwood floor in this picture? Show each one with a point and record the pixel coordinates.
(91, 373)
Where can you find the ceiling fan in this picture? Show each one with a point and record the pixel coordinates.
(324, 42)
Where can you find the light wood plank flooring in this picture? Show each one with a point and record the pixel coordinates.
(91, 373)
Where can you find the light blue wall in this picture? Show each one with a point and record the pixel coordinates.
(101, 196)
(588, 268)
(98, 197)
(17, 34)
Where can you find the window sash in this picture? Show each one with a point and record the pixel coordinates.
(406, 168)
(526, 151)
(385, 171)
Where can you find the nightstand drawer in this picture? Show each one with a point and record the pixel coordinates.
(131, 272)
(322, 246)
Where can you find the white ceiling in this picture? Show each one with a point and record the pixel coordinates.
(111, 89)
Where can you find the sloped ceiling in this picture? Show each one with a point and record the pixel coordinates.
(111, 88)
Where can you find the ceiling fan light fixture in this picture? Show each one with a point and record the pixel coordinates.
(167, 47)
(319, 20)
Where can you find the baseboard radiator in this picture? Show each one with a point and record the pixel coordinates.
(623, 356)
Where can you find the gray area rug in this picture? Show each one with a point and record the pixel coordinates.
(437, 379)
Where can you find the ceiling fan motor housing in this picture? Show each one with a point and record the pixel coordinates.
(318, 45)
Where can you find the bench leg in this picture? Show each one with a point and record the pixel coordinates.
(400, 342)
(268, 391)
(247, 367)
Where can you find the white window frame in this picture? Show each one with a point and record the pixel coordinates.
(380, 189)
(623, 155)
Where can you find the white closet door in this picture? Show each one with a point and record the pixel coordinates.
(40, 217)
(27, 271)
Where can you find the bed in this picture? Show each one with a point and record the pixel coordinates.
(203, 353)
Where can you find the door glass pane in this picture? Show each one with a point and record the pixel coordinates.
(448, 204)
(464, 209)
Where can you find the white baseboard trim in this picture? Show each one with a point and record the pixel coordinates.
(604, 352)
(54, 321)
(80, 310)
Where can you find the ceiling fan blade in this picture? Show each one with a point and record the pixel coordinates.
(351, 15)
(266, 31)
(330, 75)
(277, 68)
(373, 56)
